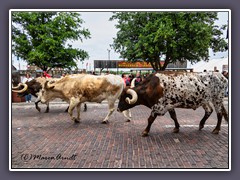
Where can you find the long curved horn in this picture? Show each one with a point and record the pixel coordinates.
(22, 90)
(134, 96)
(16, 87)
(133, 83)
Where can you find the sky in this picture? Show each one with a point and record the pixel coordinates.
(102, 33)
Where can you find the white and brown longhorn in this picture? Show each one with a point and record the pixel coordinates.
(33, 87)
(85, 88)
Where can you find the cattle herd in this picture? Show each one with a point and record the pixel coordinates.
(161, 92)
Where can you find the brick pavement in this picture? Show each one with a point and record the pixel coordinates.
(52, 140)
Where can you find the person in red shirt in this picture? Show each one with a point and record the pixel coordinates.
(138, 79)
(45, 74)
(126, 80)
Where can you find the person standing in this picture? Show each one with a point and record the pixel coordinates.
(126, 80)
(63, 75)
(138, 78)
(46, 75)
(27, 78)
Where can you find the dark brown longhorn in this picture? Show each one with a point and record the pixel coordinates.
(162, 92)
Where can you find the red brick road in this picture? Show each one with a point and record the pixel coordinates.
(52, 140)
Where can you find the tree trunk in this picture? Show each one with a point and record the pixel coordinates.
(156, 64)
(164, 66)
(153, 64)
(166, 62)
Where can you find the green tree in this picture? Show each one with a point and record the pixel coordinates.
(171, 36)
(42, 38)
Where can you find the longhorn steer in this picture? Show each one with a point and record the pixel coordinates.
(79, 89)
(163, 92)
(33, 87)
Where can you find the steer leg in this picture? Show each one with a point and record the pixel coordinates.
(67, 109)
(85, 107)
(225, 113)
(111, 110)
(128, 115)
(208, 111)
(151, 119)
(217, 128)
(78, 112)
(47, 109)
(174, 117)
(36, 105)
(73, 103)
(218, 109)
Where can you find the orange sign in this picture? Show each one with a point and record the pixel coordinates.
(125, 64)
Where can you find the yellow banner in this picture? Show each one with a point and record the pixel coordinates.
(125, 64)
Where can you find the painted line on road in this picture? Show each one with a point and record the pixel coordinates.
(171, 126)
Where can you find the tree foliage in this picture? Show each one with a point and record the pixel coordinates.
(42, 38)
(171, 36)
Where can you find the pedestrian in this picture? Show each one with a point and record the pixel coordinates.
(27, 78)
(125, 79)
(138, 79)
(130, 78)
(46, 75)
(63, 75)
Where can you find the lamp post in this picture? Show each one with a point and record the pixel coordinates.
(108, 57)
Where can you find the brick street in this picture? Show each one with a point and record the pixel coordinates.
(52, 140)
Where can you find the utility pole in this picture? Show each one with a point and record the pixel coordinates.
(108, 57)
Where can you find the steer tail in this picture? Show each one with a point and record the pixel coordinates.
(225, 113)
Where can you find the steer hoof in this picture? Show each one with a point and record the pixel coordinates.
(176, 130)
(144, 134)
(215, 131)
(39, 109)
(77, 121)
(104, 122)
(200, 127)
(128, 120)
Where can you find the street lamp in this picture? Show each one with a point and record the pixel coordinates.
(108, 57)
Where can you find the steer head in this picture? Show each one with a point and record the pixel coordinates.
(21, 89)
(128, 99)
(31, 87)
(46, 92)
